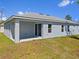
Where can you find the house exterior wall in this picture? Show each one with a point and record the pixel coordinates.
(27, 29)
(9, 30)
(1, 28)
(74, 30)
(17, 30)
(23, 29)
(56, 30)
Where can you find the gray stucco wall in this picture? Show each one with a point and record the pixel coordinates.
(9, 30)
(26, 29)
(74, 29)
(1, 28)
(56, 30)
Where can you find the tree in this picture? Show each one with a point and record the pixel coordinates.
(68, 17)
(77, 1)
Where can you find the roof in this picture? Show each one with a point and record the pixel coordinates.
(1, 22)
(41, 17)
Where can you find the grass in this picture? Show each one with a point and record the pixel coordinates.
(55, 48)
(4, 42)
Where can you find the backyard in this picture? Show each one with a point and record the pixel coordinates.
(53, 48)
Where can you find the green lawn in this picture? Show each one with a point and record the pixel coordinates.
(55, 48)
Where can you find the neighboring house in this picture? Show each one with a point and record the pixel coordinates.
(1, 26)
(33, 25)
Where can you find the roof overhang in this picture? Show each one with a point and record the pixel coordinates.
(41, 19)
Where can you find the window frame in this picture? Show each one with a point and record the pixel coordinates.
(49, 28)
(68, 28)
(62, 28)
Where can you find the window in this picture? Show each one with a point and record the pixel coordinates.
(49, 28)
(68, 28)
(35, 29)
(62, 28)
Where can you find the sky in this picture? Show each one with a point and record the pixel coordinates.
(58, 8)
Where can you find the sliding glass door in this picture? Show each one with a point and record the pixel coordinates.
(37, 29)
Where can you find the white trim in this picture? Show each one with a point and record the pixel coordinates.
(30, 39)
(17, 31)
(9, 37)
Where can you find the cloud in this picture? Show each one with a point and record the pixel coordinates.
(72, 2)
(65, 3)
(20, 13)
(4, 18)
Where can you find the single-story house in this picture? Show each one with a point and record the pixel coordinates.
(37, 26)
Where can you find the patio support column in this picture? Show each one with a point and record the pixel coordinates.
(17, 38)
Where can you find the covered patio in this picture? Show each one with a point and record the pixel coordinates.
(27, 30)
